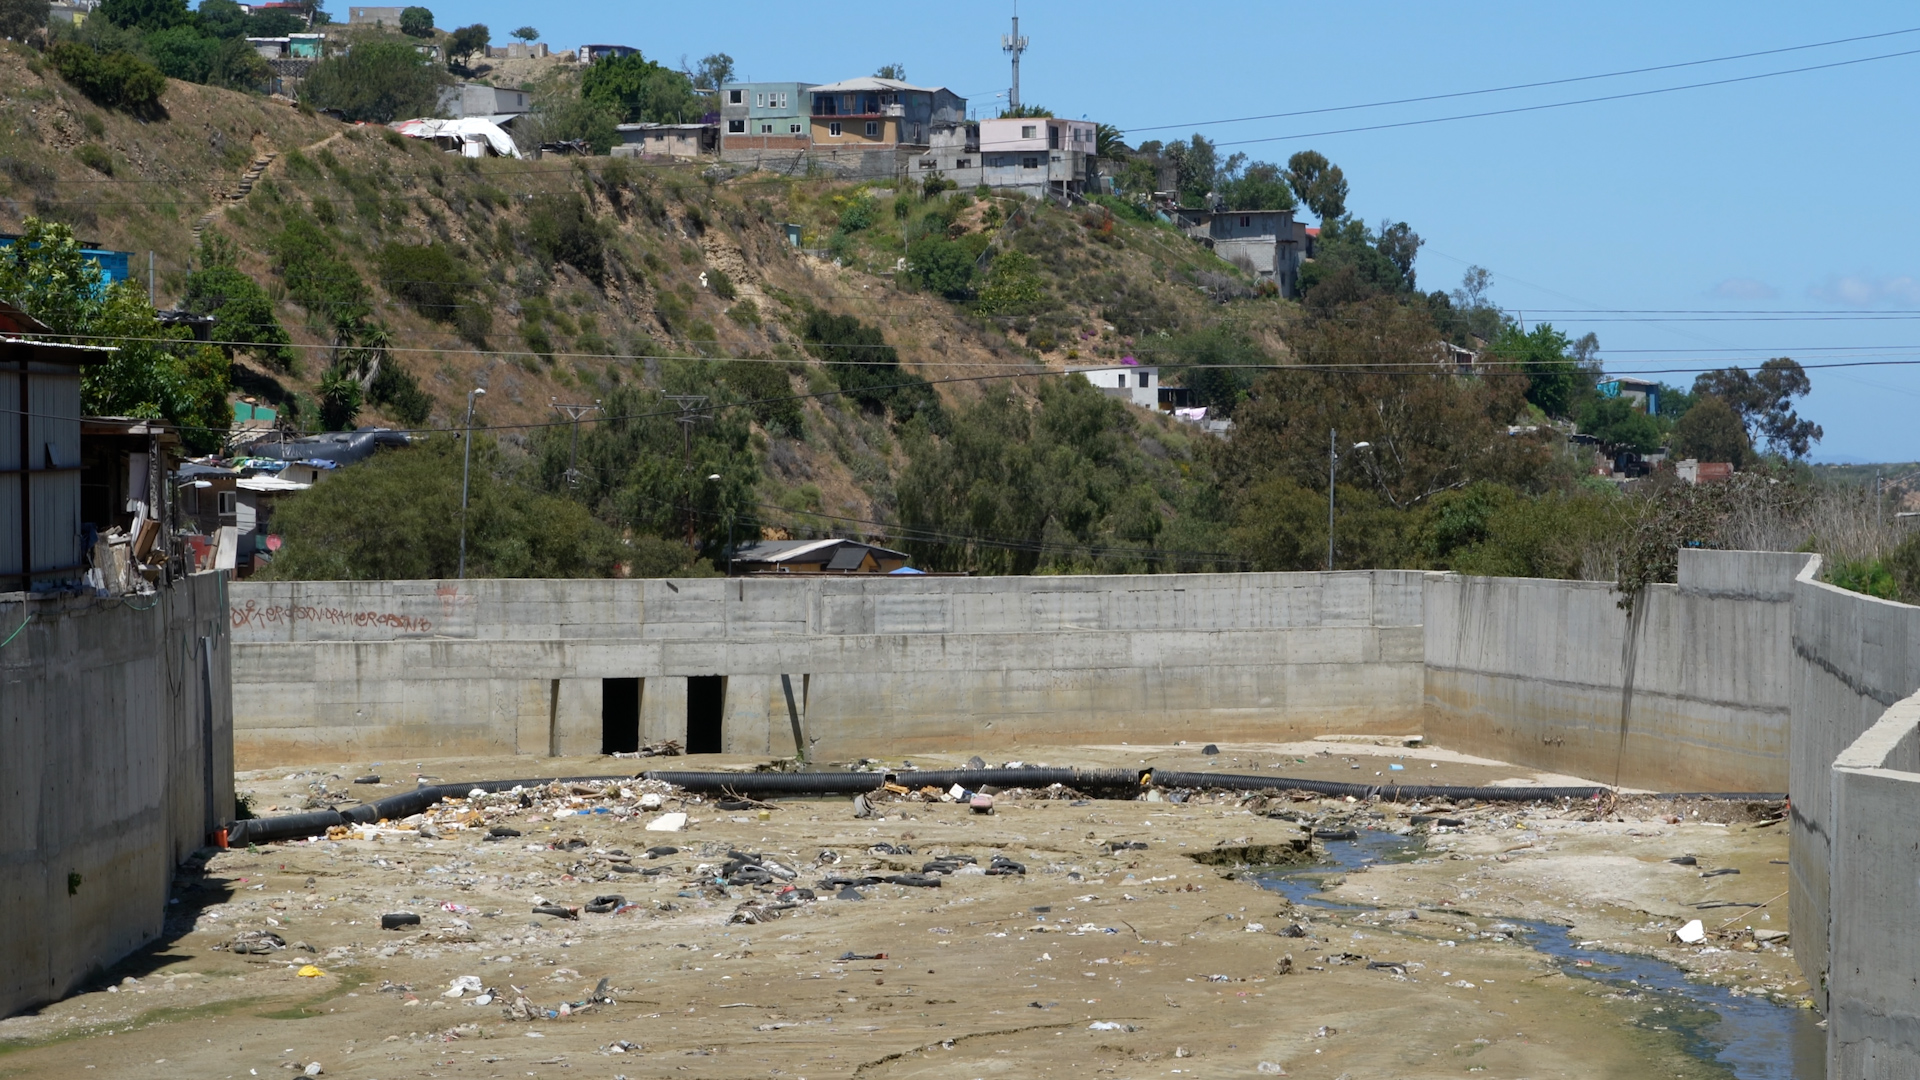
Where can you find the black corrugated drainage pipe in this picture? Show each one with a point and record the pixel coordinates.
(404, 804)
(776, 784)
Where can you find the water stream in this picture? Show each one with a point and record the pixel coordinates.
(1753, 1037)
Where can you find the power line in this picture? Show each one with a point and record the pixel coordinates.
(1566, 104)
(1529, 85)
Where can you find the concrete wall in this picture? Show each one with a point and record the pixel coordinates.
(330, 671)
(1873, 995)
(1692, 694)
(115, 763)
(1853, 657)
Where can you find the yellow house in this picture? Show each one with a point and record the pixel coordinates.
(873, 112)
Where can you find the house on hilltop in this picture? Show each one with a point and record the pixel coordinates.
(757, 117)
(1268, 244)
(1036, 155)
(833, 556)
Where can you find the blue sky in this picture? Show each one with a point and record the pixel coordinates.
(1772, 197)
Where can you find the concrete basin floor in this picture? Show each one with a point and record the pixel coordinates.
(1101, 960)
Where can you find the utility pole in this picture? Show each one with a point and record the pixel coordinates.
(690, 414)
(1013, 44)
(574, 413)
(1333, 468)
(466, 472)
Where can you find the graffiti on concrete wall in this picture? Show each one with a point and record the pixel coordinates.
(258, 616)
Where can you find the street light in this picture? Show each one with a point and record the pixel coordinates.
(466, 472)
(713, 478)
(1333, 469)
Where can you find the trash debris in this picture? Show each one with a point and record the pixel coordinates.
(673, 822)
(257, 942)
(313, 1069)
(461, 986)
(557, 910)
(1693, 933)
(601, 905)
(1268, 1068)
(1722, 872)
(366, 779)
(976, 762)
(396, 920)
(863, 956)
(652, 801)
(1284, 965)
(308, 971)
(1210, 750)
(501, 832)
(1684, 860)
(861, 807)
(915, 881)
(1001, 866)
(1109, 1025)
(981, 804)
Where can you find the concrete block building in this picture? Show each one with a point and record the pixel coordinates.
(1034, 155)
(764, 116)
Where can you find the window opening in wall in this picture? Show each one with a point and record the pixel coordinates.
(793, 129)
(733, 96)
(833, 128)
(619, 716)
(227, 501)
(873, 128)
(766, 129)
(1030, 163)
(706, 700)
(736, 127)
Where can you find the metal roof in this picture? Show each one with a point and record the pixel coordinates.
(779, 551)
(872, 82)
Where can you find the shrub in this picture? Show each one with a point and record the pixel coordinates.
(427, 278)
(943, 266)
(765, 385)
(117, 80)
(565, 232)
(416, 22)
(242, 312)
(95, 126)
(858, 214)
(397, 390)
(721, 284)
(94, 157)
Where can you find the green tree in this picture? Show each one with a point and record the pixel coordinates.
(642, 90)
(1618, 424)
(464, 42)
(399, 519)
(636, 470)
(1555, 379)
(21, 20)
(1399, 245)
(1711, 431)
(379, 81)
(1350, 264)
(1259, 185)
(1196, 166)
(1025, 111)
(155, 371)
(861, 362)
(896, 72)
(1062, 486)
(527, 34)
(1319, 184)
(243, 314)
(146, 15)
(1110, 142)
(116, 80)
(715, 71)
(564, 117)
(416, 22)
(1764, 402)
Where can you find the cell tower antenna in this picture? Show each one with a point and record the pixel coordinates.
(1013, 44)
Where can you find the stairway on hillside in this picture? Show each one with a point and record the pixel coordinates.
(247, 180)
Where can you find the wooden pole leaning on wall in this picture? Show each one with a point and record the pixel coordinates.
(793, 716)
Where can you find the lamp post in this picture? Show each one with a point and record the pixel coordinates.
(714, 478)
(1333, 473)
(466, 473)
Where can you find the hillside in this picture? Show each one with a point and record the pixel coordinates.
(793, 357)
(570, 277)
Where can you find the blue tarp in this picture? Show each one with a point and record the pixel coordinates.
(905, 570)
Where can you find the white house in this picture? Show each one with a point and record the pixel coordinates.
(1136, 384)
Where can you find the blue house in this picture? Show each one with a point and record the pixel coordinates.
(114, 265)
